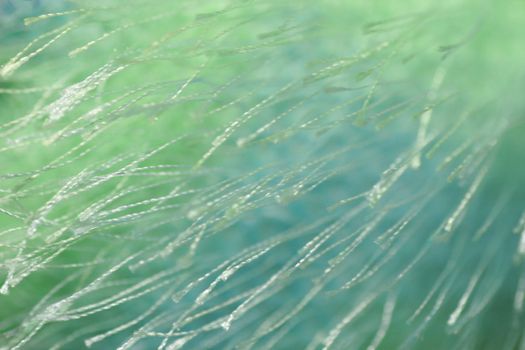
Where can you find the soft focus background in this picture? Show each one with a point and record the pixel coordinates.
(262, 175)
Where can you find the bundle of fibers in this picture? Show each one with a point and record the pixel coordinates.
(243, 174)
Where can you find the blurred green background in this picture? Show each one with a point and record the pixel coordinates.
(245, 174)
